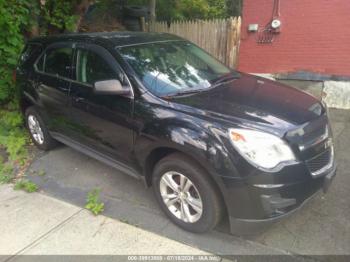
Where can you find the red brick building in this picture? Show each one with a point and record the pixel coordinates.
(314, 36)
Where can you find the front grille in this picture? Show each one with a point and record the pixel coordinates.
(321, 162)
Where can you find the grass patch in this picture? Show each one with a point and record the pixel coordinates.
(13, 137)
(6, 173)
(93, 202)
(6, 179)
(26, 185)
(14, 141)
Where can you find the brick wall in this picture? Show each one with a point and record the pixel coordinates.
(315, 37)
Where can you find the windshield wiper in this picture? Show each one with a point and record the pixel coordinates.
(226, 78)
(222, 79)
(186, 92)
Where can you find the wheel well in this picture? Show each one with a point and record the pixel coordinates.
(25, 103)
(156, 155)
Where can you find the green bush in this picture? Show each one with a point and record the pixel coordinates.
(17, 19)
(59, 14)
(15, 15)
(12, 135)
(6, 172)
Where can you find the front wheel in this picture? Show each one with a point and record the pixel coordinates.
(186, 194)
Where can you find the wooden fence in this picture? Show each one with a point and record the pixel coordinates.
(219, 37)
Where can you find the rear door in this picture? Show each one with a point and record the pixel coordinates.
(25, 75)
(54, 73)
(102, 122)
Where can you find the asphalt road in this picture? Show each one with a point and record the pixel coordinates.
(322, 226)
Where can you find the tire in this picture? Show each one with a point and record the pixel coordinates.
(132, 24)
(47, 142)
(178, 166)
(136, 11)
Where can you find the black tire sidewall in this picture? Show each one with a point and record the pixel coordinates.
(136, 11)
(208, 194)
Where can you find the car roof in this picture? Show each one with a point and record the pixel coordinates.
(117, 39)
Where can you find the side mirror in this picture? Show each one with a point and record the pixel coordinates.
(111, 87)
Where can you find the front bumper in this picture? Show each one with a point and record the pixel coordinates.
(240, 226)
(256, 202)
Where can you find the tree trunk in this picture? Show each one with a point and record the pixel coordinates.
(80, 11)
(152, 9)
(34, 29)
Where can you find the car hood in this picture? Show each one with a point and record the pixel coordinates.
(255, 99)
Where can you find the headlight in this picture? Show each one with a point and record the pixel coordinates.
(261, 149)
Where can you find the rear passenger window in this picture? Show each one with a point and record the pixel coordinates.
(92, 68)
(57, 62)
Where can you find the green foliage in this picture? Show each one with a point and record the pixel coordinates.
(15, 15)
(5, 179)
(26, 185)
(201, 9)
(18, 18)
(234, 7)
(193, 9)
(12, 135)
(93, 203)
(15, 144)
(6, 173)
(58, 14)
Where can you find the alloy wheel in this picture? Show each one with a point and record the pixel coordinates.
(181, 197)
(35, 129)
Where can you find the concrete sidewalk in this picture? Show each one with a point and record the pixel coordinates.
(35, 224)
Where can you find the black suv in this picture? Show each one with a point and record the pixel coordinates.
(211, 141)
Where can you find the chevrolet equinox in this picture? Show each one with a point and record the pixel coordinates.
(211, 141)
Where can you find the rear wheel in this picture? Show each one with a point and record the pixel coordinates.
(186, 194)
(38, 131)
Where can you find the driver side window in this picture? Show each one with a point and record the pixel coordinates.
(92, 68)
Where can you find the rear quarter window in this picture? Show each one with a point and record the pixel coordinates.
(30, 52)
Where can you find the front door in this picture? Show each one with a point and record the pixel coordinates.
(102, 122)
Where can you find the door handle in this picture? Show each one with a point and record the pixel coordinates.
(63, 89)
(79, 99)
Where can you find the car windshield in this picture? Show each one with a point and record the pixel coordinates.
(173, 67)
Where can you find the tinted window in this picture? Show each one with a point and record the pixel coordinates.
(171, 67)
(92, 68)
(58, 62)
